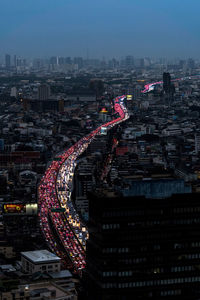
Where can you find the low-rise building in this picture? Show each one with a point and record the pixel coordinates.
(40, 261)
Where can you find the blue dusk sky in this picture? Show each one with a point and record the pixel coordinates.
(103, 28)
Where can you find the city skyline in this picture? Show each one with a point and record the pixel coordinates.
(72, 59)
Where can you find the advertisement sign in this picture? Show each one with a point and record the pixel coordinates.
(129, 97)
(14, 208)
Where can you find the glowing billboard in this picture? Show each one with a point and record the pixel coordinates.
(14, 208)
(129, 97)
(104, 110)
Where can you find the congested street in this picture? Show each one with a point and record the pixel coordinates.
(61, 225)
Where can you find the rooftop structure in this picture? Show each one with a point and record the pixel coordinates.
(40, 256)
(40, 261)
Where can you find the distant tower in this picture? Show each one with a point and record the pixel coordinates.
(43, 92)
(166, 82)
(15, 61)
(7, 61)
(68, 60)
(129, 61)
(53, 60)
(141, 62)
(61, 61)
(191, 63)
(78, 61)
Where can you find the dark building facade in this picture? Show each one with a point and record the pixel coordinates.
(7, 61)
(49, 105)
(44, 92)
(166, 82)
(143, 248)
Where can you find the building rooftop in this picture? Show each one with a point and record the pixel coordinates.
(40, 256)
(7, 268)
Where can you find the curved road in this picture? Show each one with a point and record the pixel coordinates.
(62, 228)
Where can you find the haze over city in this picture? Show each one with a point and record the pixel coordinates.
(106, 28)
(99, 150)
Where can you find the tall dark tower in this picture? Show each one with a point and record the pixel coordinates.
(15, 61)
(166, 82)
(141, 248)
(7, 61)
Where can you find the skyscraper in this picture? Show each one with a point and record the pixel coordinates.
(78, 61)
(166, 82)
(15, 61)
(53, 60)
(129, 61)
(61, 61)
(143, 248)
(191, 63)
(7, 61)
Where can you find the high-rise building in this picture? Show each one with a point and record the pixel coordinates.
(24, 63)
(182, 63)
(191, 63)
(53, 60)
(166, 82)
(15, 61)
(61, 61)
(78, 61)
(38, 63)
(141, 248)
(44, 92)
(129, 61)
(141, 62)
(7, 61)
(68, 60)
(19, 62)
